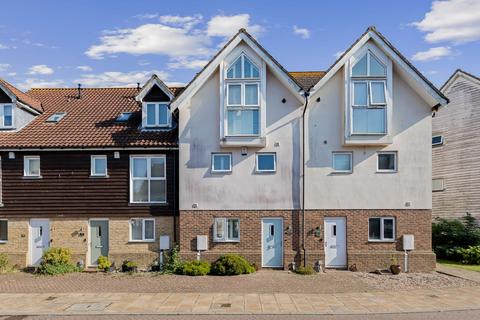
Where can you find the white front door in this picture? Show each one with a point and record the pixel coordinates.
(272, 242)
(335, 242)
(39, 239)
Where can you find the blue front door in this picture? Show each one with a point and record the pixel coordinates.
(272, 242)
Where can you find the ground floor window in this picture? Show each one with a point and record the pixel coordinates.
(226, 229)
(381, 229)
(3, 231)
(142, 230)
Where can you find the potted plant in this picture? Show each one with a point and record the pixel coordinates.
(129, 266)
(104, 264)
(395, 268)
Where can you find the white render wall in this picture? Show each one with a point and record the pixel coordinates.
(243, 189)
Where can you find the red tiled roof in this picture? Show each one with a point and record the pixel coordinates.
(89, 122)
(22, 96)
(307, 79)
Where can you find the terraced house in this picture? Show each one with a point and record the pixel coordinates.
(281, 167)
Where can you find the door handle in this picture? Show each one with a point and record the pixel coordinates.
(40, 246)
(98, 246)
(270, 247)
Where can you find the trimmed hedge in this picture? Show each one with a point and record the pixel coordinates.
(195, 268)
(231, 264)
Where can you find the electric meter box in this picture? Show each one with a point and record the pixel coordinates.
(202, 243)
(408, 242)
(164, 242)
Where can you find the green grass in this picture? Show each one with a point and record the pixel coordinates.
(459, 265)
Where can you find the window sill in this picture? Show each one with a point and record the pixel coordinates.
(382, 241)
(265, 171)
(220, 172)
(3, 242)
(141, 241)
(99, 177)
(243, 141)
(387, 172)
(341, 172)
(147, 204)
(32, 177)
(226, 241)
(441, 190)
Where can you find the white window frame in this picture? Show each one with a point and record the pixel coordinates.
(395, 155)
(2, 116)
(225, 237)
(56, 117)
(143, 230)
(148, 177)
(92, 165)
(382, 228)
(26, 167)
(4, 241)
(342, 153)
(442, 187)
(221, 154)
(438, 143)
(264, 154)
(157, 123)
(243, 106)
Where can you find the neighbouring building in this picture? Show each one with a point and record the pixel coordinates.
(367, 158)
(107, 171)
(455, 137)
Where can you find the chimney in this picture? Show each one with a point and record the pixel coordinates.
(138, 86)
(79, 96)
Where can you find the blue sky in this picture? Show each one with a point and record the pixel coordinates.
(116, 43)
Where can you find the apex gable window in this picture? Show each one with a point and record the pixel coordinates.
(31, 166)
(6, 116)
(3, 231)
(148, 182)
(226, 230)
(266, 162)
(142, 230)
(242, 90)
(157, 115)
(221, 162)
(98, 166)
(381, 229)
(369, 95)
(387, 161)
(342, 162)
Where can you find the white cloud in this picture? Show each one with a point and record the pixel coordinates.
(338, 54)
(84, 68)
(187, 22)
(40, 69)
(4, 67)
(227, 26)
(117, 78)
(39, 83)
(162, 39)
(456, 21)
(304, 33)
(183, 63)
(2, 46)
(146, 16)
(11, 74)
(432, 54)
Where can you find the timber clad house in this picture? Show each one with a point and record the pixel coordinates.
(280, 167)
(455, 136)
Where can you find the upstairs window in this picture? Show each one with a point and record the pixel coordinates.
(157, 115)
(124, 117)
(3, 231)
(99, 166)
(221, 162)
(342, 162)
(437, 140)
(266, 162)
(148, 179)
(387, 162)
(243, 98)
(6, 116)
(31, 166)
(369, 92)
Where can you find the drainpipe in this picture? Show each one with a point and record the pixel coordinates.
(305, 95)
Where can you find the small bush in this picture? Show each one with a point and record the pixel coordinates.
(195, 268)
(129, 266)
(308, 270)
(103, 263)
(231, 264)
(172, 261)
(4, 263)
(57, 261)
(471, 255)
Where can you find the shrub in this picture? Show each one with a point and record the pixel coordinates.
(129, 266)
(172, 261)
(308, 270)
(231, 264)
(448, 236)
(4, 263)
(103, 263)
(57, 261)
(195, 268)
(471, 255)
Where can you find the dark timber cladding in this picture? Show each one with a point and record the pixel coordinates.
(66, 187)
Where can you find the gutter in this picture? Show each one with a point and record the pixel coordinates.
(305, 95)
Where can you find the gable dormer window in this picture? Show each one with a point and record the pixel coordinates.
(157, 114)
(242, 88)
(6, 116)
(369, 95)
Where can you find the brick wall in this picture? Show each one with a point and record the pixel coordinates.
(367, 256)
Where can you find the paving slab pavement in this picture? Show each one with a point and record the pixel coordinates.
(378, 302)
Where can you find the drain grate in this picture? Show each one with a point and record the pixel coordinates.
(433, 296)
(222, 305)
(88, 307)
(51, 298)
